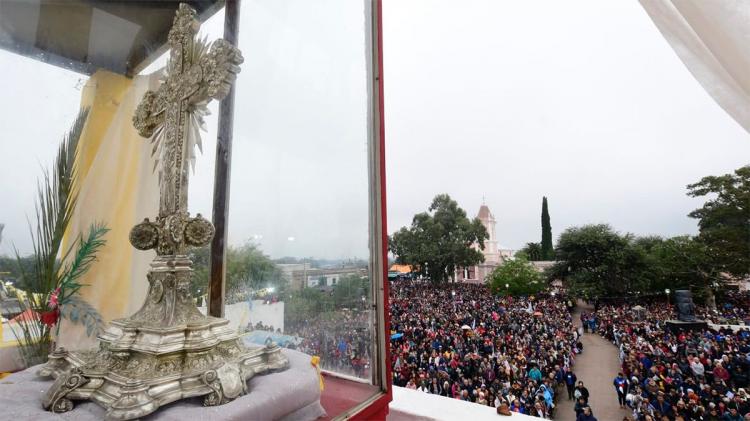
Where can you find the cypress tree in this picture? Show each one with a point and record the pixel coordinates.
(547, 252)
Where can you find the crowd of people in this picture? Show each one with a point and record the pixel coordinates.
(734, 309)
(463, 342)
(340, 337)
(677, 375)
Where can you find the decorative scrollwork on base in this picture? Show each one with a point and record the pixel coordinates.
(62, 405)
(55, 399)
(211, 379)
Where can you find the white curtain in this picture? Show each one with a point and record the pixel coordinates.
(712, 38)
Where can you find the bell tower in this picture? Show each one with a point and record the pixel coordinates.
(491, 252)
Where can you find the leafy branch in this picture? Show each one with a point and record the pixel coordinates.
(47, 285)
(84, 257)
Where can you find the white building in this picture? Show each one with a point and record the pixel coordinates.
(328, 279)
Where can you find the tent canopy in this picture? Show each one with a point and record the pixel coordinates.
(86, 35)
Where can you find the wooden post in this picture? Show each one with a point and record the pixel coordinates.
(222, 176)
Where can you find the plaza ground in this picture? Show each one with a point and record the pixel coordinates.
(596, 367)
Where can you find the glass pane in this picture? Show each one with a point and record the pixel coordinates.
(299, 243)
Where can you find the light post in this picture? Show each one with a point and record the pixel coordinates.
(667, 291)
(507, 289)
(453, 293)
(712, 297)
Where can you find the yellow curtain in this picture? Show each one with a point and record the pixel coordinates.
(117, 188)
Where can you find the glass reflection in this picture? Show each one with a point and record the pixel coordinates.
(297, 261)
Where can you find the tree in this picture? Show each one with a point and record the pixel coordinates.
(519, 275)
(684, 263)
(247, 268)
(597, 261)
(201, 259)
(304, 305)
(547, 251)
(724, 221)
(531, 252)
(19, 271)
(349, 291)
(438, 243)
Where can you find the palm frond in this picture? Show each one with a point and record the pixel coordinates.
(85, 256)
(77, 310)
(55, 202)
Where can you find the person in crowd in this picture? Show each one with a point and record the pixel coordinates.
(570, 382)
(586, 415)
(663, 407)
(581, 392)
(580, 404)
(621, 388)
(585, 321)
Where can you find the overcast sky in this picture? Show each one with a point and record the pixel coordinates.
(583, 102)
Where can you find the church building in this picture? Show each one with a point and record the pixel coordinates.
(493, 255)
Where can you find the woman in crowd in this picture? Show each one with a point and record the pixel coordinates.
(684, 375)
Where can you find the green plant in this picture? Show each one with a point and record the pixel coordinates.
(547, 252)
(50, 285)
(77, 310)
(516, 277)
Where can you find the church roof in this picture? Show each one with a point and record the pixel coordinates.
(484, 212)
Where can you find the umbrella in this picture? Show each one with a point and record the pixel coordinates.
(396, 336)
(465, 327)
(538, 313)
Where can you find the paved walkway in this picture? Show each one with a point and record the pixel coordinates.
(596, 368)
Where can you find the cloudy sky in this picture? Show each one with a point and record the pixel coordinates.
(583, 102)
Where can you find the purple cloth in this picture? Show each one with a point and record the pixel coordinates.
(293, 394)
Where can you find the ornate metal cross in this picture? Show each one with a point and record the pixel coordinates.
(171, 117)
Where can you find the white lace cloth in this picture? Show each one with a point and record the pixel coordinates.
(293, 394)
